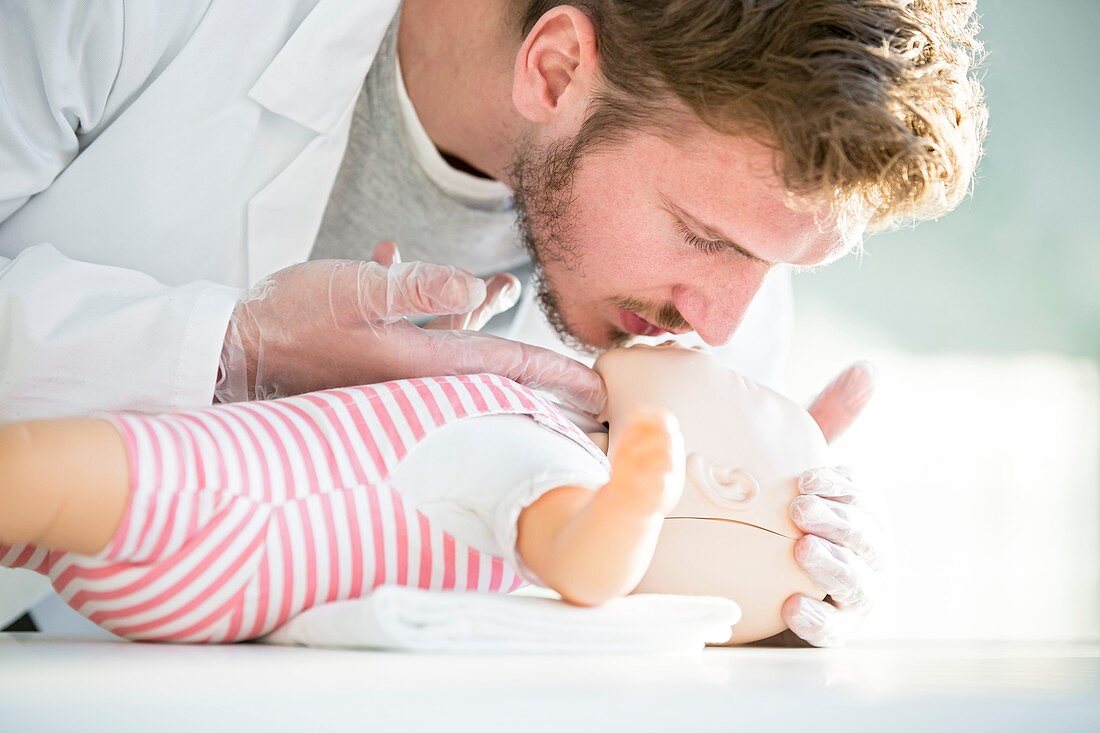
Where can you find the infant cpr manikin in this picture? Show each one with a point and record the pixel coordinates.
(730, 535)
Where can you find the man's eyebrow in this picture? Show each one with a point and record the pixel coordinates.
(712, 233)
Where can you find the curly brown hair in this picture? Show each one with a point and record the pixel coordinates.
(872, 104)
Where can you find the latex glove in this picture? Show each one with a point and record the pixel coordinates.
(843, 548)
(337, 323)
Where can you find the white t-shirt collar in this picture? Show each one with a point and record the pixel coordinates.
(456, 183)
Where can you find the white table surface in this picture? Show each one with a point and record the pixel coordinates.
(53, 684)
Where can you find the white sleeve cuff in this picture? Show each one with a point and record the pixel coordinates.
(201, 346)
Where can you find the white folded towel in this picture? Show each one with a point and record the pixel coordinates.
(408, 619)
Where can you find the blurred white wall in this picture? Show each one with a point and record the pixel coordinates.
(988, 467)
(985, 325)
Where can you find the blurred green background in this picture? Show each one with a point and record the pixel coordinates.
(1017, 267)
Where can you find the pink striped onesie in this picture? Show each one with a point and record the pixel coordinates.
(241, 516)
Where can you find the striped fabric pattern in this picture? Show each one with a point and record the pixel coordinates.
(241, 516)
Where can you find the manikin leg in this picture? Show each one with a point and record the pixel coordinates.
(63, 484)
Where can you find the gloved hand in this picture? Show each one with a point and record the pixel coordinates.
(843, 548)
(338, 323)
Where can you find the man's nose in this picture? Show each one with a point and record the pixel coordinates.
(715, 310)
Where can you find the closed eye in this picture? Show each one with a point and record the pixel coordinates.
(708, 246)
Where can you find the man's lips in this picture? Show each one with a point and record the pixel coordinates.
(635, 324)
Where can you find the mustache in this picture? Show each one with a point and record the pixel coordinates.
(667, 316)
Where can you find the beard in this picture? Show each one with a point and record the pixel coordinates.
(546, 211)
(542, 181)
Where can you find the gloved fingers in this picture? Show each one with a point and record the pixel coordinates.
(841, 573)
(541, 369)
(842, 524)
(386, 254)
(846, 471)
(501, 293)
(565, 378)
(841, 402)
(817, 622)
(833, 482)
(404, 289)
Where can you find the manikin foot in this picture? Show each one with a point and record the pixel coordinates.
(647, 465)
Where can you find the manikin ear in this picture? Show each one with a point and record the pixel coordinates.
(556, 67)
(727, 486)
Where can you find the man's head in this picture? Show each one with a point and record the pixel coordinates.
(656, 134)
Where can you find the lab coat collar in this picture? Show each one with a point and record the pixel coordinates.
(324, 63)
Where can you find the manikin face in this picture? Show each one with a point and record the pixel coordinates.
(745, 443)
(730, 534)
(639, 228)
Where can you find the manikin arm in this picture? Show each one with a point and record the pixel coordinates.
(591, 547)
(63, 484)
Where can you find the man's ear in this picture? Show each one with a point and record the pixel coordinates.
(556, 66)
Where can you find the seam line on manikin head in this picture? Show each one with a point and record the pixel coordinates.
(736, 521)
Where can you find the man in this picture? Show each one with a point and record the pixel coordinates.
(664, 160)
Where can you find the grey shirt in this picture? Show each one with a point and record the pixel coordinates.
(383, 192)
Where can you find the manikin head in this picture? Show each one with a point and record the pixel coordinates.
(730, 535)
(668, 155)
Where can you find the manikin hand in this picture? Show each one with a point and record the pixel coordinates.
(843, 546)
(338, 323)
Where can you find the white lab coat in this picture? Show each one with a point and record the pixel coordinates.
(171, 153)
(158, 157)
